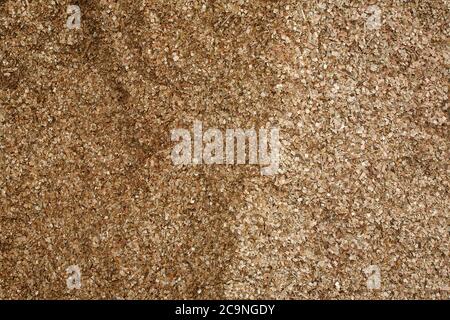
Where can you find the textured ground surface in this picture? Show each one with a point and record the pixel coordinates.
(85, 171)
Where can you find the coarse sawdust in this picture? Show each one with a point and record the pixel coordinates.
(87, 179)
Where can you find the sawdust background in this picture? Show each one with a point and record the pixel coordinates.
(86, 176)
